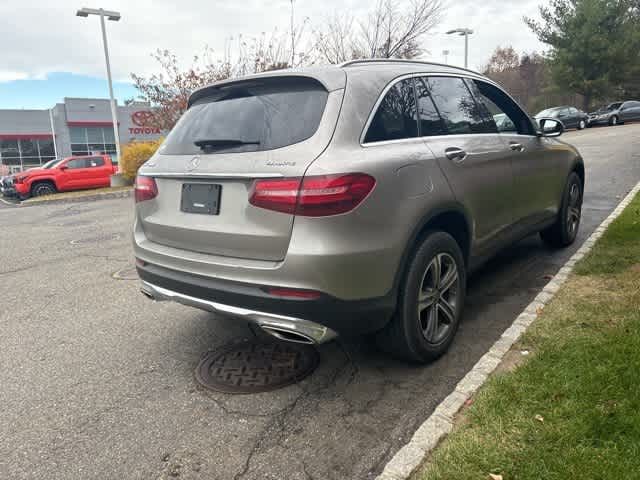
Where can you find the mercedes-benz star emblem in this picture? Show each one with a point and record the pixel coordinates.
(193, 164)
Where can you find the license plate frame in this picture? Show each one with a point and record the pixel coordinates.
(200, 198)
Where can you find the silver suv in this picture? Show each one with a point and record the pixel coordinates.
(348, 199)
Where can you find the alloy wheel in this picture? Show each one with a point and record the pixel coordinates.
(43, 190)
(574, 209)
(438, 298)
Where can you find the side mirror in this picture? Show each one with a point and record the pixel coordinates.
(63, 167)
(550, 127)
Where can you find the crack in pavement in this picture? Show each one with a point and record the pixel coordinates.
(279, 421)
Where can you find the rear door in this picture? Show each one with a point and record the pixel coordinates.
(630, 111)
(78, 174)
(99, 173)
(564, 115)
(473, 157)
(271, 128)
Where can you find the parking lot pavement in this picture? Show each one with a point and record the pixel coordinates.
(97, 382)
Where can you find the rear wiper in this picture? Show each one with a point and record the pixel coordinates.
(222, 142)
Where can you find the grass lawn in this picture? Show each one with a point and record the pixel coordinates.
(75, 194)
(572, 411)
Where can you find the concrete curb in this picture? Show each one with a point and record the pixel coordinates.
(440, 423)
(84, 198)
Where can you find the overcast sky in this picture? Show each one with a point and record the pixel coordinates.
(39, 38)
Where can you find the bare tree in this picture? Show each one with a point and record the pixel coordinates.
(169, 89)
(391, 30)
(335, 43)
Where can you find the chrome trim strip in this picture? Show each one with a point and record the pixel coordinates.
(297, 326)
(469, 74)
(210, 175)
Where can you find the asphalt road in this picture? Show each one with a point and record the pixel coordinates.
(96, 382)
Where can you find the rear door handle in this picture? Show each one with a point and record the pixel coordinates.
(517, 147)
(456, 154)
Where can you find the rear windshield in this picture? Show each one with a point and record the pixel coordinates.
(250, 116)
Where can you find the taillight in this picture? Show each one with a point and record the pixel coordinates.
(145, 188)
(314, 196)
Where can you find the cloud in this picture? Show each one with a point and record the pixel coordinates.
(41, 37)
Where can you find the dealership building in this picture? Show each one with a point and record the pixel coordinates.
(78, 126)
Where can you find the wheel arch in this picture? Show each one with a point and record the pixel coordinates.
(578, 167)
(50, 180)
(450, 218)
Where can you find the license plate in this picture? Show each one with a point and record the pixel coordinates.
(201, 198)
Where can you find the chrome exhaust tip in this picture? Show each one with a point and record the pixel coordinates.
(288, 336)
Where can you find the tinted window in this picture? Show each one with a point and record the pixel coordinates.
(77, 163)
(250, 116)
(458, 109)
(396, 116)
(430, 121)
(500, 103)
(95, 162)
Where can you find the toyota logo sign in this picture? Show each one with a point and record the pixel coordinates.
(141, 119)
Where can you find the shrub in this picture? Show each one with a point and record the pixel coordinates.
(135, 154)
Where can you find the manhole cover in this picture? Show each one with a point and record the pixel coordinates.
(99, 238)
(255, 366)
(129, 273)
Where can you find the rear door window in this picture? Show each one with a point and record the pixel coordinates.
(95, 162)
(250, 116)
(430, 121)
(459, 111)
(396, 116)
(77, 163)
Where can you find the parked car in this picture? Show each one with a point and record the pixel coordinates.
(570, 117)
(615, 113)
(73, 173)
(348, 199)
(6, 186)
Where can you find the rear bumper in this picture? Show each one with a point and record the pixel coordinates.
(319, 319)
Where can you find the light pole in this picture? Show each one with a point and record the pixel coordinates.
(465, 32)
(115, 16)
(446, 56)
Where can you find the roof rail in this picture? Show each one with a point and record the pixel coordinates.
(400, 60)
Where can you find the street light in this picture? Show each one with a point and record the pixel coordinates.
(446, 56)
(114, 16)
(465, 32)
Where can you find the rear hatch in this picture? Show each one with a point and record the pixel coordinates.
(233, 135)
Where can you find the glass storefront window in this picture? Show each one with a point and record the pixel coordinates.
(94, 135)
(78, 135)
(46, 148)
(109, 137)
(85, 141)
(9, 148)
(29, 148)
(26, 152)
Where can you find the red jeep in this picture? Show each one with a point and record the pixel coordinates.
(73, 173)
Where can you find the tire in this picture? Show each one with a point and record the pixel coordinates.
(564, 231)
(42, 188)
(430, 302)
(613, 121)
(582, 125)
